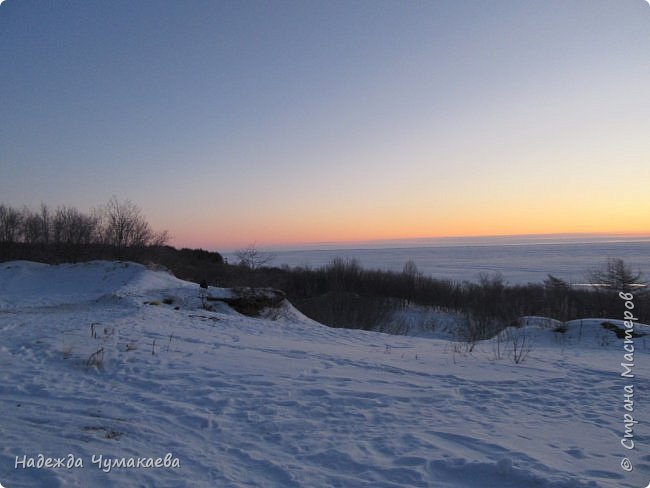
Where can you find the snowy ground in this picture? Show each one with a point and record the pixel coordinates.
(88, 368)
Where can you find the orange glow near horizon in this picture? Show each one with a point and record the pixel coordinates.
(220, 244)
(293, 234)
(464, 214)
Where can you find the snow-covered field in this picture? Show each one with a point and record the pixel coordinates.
(114, 360)
(464, 259)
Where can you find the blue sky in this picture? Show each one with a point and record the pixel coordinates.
(302, 122)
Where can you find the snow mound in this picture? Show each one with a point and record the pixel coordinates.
(582, 333)
(27, 284)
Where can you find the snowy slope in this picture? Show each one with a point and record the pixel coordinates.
(281, 401)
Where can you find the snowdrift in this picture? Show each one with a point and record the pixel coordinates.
(123, 365)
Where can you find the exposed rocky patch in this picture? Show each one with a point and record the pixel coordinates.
(251, 301)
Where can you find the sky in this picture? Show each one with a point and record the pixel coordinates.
(290, 123)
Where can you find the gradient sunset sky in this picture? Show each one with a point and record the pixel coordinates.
(294, 122)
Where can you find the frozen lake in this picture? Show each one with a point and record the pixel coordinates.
(518, 262)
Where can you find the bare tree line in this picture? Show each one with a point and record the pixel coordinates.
(343, 294)
(118, 224)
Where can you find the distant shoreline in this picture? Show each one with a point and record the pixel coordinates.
(456, 241)
(518, 263)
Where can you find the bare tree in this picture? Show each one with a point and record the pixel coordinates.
(71, 227)
(252, 258)
(159, 238)
(36, 225)
(46, 224)
(411, 276)
(125, 226)
(31, 225)
(10, 224)
(617, 275)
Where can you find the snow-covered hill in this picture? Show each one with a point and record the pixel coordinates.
(115, 360)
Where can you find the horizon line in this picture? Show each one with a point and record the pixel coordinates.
(442, 241)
